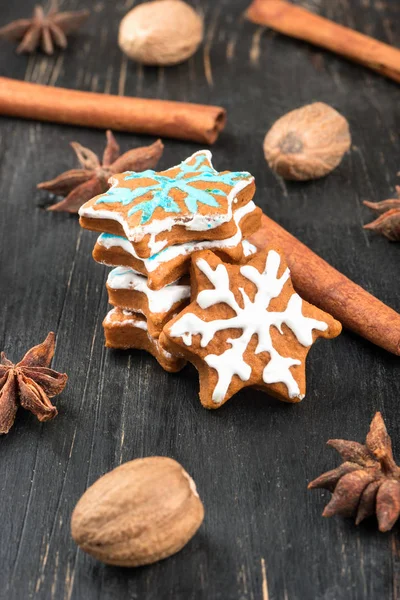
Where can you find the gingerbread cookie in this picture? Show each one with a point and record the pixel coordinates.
(249, 250)
(246, 326)
(124, 330)
(129, 290)
(173, 262)
(186, 203)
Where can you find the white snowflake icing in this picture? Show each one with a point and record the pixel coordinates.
(252, 319)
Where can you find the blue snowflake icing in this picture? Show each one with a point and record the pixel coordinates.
(157, 195)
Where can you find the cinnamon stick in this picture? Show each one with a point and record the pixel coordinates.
(324, 286)
(304, 25)
(162, 118)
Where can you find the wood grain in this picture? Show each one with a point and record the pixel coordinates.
(304, 25)
(253, 458)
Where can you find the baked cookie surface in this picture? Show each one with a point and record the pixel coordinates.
(173, 262)
(125, 330)
(128, 290)
(155, 210)
(246, 326)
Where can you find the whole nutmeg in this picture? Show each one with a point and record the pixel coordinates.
(163, 32)
(145, 510)
(308, 142)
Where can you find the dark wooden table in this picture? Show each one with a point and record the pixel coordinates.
(253, 458)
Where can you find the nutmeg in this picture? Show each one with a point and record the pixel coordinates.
(141, 512)
(308, 142)
(162, 32)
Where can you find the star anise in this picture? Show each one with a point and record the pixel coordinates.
(388, 223)
(44, 30)
(367, 482)
(80, 185)
(30, 383)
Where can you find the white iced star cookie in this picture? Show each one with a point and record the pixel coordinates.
(174, 261)
(246, 326)
(128, 290)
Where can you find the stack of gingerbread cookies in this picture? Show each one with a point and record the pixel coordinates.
(180, 236)
(151, 223)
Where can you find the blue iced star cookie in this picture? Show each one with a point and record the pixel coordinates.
(193, 195)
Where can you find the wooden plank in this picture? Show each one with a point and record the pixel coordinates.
(252, 459)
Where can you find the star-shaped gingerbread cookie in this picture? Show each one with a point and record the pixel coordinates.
(128, 290)
(155, 210)
(246, 326)
(173, 262)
